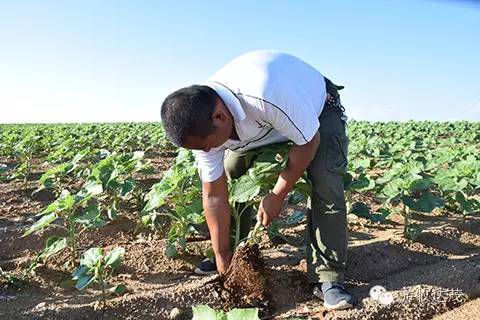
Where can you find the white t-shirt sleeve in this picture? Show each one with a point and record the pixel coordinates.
(210, 164)
(293, 116)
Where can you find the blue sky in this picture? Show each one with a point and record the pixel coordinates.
(74, 61)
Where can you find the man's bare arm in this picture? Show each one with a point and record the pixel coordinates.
(217, 212)
(299, 157)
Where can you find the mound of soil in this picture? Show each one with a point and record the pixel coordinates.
(244, 283)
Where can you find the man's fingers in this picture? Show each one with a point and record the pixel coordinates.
(265, 219)
(262, 216)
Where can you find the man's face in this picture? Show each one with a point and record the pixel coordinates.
(213, 140)
(222, 120)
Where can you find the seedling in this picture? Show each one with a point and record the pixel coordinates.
(97, 268)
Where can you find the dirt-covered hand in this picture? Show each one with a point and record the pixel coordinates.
(270, 208)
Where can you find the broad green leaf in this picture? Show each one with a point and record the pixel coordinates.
(363, 182)
(360, 209)
(54, 245)
(447, 181)
(88, 215)
(147, 218)
(105, 171)
(118, 290)
(195, 207)
(197, 218)
(204, 312)
(347, 180)
(96, 223)
(296, 197)
(243, 314)
(93, 188)
(91, 257)
(384, 212)
(50, 208)
(42, 223)
(391, 190)
(171, 251)
(66, 202)
(182, 242)
(127, 187)
(420, 184)
(157, 196)
(295, 217)
(303, 186)
(114, 184)
(426, 203)
(243, 190)
(468, 205)
(114, 257)
(363, 163)
(273, 230)
(84, 281)
(79, 271)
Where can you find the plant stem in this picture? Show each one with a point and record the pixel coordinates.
(237, 219)
(252, 237)
(71, 235)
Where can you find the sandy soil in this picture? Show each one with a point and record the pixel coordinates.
(436, 277)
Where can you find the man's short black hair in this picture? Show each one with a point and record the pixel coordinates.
(188, 112)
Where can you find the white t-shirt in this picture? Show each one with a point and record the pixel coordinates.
(273, 97)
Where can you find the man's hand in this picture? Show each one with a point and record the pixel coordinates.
(299, 157)
(223, 262)
(270, 208)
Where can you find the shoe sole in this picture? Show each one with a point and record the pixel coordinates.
(342, 305)
(201, 272)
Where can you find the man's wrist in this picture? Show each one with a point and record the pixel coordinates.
(224, 254)
(280, 192)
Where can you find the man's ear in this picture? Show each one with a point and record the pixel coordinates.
(219, 117)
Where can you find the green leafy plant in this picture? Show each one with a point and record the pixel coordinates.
(407, 186)
(204, 312)
(178, 197)
(73, 214)
(95, 267)
(115, 174)
(51, 178)
(247, 191)
(24, 150)
(10, 281)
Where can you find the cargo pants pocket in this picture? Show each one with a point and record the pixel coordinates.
(337, 151)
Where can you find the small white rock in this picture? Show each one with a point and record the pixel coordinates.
(376, 291)
(385, 298)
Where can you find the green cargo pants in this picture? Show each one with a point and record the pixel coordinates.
(326, 234)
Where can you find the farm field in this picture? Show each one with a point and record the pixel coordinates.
(413, 193)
